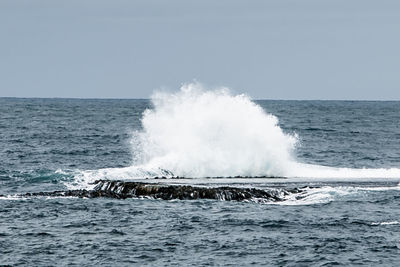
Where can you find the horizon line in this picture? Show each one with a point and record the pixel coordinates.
(255, 99)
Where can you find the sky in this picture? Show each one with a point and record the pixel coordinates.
(268, 49)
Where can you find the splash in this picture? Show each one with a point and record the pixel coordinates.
(199, 133)
(212, 133)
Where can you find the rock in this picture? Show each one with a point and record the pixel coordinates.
(124, 189)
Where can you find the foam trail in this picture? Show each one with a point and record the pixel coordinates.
(325, 194)
(300, 170)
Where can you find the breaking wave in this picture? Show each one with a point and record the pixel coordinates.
(199, 133)
(212, 133)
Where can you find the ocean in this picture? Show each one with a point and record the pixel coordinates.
(331, 169)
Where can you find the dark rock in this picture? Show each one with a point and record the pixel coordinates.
(123, 190)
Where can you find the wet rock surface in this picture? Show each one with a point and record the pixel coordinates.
(124, 189)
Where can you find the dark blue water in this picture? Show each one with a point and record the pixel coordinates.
(46, 143)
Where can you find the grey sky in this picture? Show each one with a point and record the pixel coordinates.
(279, 49)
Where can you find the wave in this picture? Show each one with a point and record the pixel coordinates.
(212, 133)
(200, 133)
(386, 223)
(326, 194)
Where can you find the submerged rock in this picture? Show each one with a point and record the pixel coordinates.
(123, 189)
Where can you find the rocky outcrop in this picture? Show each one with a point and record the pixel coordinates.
(123, 189)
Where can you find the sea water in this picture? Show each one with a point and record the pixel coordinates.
(345, 155)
